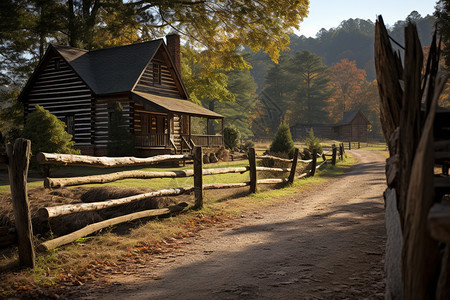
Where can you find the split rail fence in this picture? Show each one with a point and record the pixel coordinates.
(17, 159)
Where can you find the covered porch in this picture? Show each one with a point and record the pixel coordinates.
(169, 125)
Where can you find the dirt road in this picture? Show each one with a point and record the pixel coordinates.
(323, 244)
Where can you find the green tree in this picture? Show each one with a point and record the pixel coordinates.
(11, 114)
(312, 144)
(312, 90)
(239, 112)
(442, 14)
(283, 143)
(216, 27)
(47, 134)
(120, 140)
(231, 136)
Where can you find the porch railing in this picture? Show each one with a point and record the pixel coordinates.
(207, 140)
(161, 140)
(151, 140)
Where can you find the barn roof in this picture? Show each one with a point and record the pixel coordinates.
(349, 116)
(168, 104)
(110, 70)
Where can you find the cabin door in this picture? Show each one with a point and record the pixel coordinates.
(154, 127)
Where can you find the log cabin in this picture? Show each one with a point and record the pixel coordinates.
(80, 88)
(354, 127)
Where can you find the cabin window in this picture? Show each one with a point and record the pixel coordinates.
(70, 124)
(57, 64)
(156, 73)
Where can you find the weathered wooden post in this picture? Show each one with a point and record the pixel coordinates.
(252, 164)
(333, 157)
(293, 167)
(349, 145)
(341, 151)
(198, 177)
(18, 163)
(359, 145)
(313, 163)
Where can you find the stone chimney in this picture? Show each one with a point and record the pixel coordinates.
(173, 44)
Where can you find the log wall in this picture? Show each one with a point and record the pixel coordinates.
(102, 108)
(61, 91)
(167, 87)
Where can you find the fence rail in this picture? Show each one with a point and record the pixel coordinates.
(18, 159)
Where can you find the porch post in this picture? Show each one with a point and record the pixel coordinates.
(190, 129)
(207, 131)
(168, 131)
(223, 143)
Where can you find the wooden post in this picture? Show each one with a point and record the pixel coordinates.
(341, 151)
(223, 142)
(190, 130)
(19, 160)
(359, 144)
(252, 164)
(349, 145)
(313, 163)
(293, 167)
(333, 158)
(198, 177)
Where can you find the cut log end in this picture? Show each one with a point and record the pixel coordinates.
(43, 214)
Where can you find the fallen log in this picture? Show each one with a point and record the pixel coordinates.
(103, 162)
(71, 181)
(272, 180)
(63, 240)
(46, 213)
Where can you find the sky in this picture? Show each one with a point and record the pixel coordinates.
(330, 13)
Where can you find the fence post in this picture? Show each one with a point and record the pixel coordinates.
(314, 163)
(18, 163)
(293, 167)
(341, 151)
(359, 144)
(333, 157)
(198, 177)
(349, 145)
(252, 164)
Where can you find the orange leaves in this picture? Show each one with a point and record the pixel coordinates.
(347, 82)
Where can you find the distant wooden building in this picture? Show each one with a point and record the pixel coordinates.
(80, 88)
(353, 127)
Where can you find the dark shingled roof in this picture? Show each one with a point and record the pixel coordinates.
(168, 104)
(348, 117)
(110, 70)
